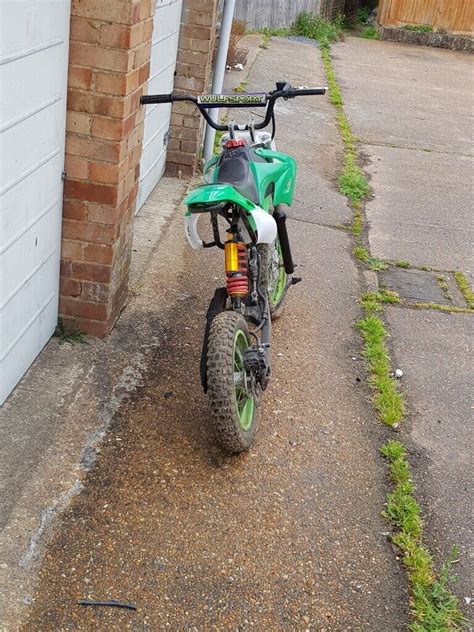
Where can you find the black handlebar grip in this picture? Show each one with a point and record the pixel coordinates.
(297, 92)
(156, 98)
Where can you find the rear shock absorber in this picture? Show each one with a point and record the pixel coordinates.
(236, 268)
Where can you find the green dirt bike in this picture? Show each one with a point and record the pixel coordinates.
(245, 185)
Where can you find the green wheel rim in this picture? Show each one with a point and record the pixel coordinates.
(280, 285)
(243, 403)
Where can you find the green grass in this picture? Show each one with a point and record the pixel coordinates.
(403, 264)
(65, 334)
(419, 28)
(465, 288)
(352, 181)
(317, 28)
(369, 32)
(242, 87)
(217, 142)
(388, 400)
(374, 263)
(443, 284)
(265, 40)
(266, 32)
(363, 14)
(433, 606)
(357, 223)
(449, 309)
(372, 301)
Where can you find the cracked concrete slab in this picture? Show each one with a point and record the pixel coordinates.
(422, 209)
(428, 91)
(411, 107)
(414, 285)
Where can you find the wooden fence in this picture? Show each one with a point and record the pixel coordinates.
(276, 14)
(454, 16)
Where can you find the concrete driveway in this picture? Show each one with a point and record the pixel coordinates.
(412, 109)
(287, 537)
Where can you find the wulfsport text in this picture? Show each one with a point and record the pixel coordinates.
(233, 99)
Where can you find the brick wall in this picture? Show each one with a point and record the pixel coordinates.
(193, 71)
(108, 66)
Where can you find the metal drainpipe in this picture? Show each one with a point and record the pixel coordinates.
(219, 72)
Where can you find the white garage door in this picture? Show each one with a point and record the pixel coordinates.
(157, 117)
(33, 76)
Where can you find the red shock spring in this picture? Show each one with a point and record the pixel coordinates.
(238, 282)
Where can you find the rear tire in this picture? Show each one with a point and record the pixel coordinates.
(234, 410)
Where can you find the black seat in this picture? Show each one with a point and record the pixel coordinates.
(233, 167)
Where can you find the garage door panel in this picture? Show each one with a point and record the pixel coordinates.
(22, 256)
(24, 92)
(40, 134)
(165, 56)
(34, 39)
(167, 18)
(21, 308)
(156, 124)
(27, 24)
(27, 345)
(22, 205)
(164, 50)
(161, 83)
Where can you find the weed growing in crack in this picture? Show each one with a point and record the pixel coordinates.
(434, 608)
(387, 398)
(242, 87)
(65, 334)
(406, 265)
(372, 301)
(465, 288)
(449, 309)
(374, 263)
(357, 223)
(352, 181)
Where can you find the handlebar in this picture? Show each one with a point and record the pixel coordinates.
(284, 90)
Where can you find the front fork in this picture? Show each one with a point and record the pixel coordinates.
(241, 282)
(279, 216)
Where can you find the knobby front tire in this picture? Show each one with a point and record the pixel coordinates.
(234, 410)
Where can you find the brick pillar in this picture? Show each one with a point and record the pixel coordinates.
(108, 65)
(193, 72)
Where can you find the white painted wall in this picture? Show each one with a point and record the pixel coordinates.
(157, 117)
(34, 42)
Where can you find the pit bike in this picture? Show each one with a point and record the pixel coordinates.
(245, 185)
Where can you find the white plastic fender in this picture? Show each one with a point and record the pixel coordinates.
(190, 230)
(266, 226)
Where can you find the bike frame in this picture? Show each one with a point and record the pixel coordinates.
(246, 185)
